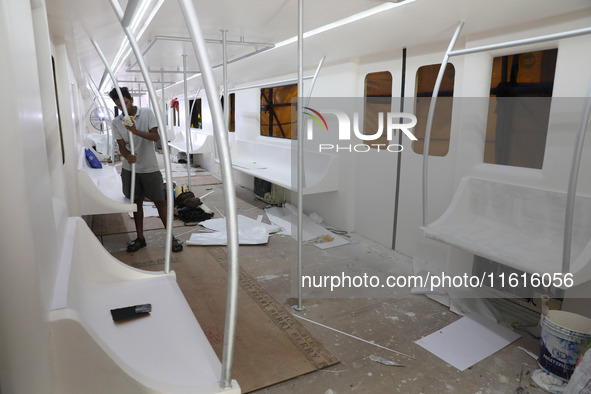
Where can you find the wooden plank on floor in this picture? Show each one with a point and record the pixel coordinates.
(119, 223)
(271, 345)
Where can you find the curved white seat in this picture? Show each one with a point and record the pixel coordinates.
(166, 351)
(100, 191)
(201, 142)
(519, 226)
(273, 163)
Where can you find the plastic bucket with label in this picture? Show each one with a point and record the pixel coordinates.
(565, 336)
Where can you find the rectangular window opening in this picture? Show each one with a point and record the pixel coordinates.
(195, 110)
(441, 126)
(232, 114)
(277, 105)
(378, 102)
(519, 109)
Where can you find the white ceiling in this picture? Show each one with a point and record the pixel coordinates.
(419, 24)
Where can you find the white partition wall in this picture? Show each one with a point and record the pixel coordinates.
(27, 233)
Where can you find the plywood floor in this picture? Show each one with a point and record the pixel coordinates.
(393, 322)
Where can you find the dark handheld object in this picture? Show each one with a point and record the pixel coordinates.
(131, 312)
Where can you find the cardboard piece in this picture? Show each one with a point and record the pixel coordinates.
(468, 341)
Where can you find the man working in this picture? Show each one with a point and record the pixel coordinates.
(148, 179)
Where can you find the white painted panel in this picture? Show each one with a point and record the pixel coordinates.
(26, 213)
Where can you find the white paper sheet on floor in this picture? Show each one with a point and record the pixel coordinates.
(149, 210)
(468, 341)
(250, 232)
(254, 236)
(286, 218)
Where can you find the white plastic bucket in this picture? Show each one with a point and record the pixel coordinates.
(565, 336)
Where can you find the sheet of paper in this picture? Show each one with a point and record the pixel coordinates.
(254, 236)
(149, 210)
(468, 341)
(286, 218)
(244, 223)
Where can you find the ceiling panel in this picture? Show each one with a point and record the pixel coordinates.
(424, 24)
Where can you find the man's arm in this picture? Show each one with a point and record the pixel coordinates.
(126, 153)
(151, 135)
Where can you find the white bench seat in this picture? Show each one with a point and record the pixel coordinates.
(166, 351)
(518, 226)
(100, 190)
(274, 163)
(201, 142)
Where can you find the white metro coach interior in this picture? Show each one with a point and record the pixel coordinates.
(441, 209)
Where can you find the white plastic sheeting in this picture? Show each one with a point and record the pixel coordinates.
(250, 232)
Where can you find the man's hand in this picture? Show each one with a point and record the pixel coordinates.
(131, 159)
(132, 129)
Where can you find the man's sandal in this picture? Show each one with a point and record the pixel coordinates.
(136, 245)
(177, 245)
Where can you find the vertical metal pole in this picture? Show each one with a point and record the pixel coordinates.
(300, 103)
(225, 79)
(163, 105)
(161, 131)
(187, 125)
(572, 183)
(190, 15)
(123, 108)
(162, 90)
(399, 157)
(430, 117)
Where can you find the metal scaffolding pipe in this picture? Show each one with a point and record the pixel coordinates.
(572, 183)
(123, 108)
(213, 41)
(300, 150)
(264, 84)
(430, 117)
(129, 11)
(161, 131)
(187, 128)
(214, 67)
(209, 41)
(138, 82)
(525, 41)
(190, 15)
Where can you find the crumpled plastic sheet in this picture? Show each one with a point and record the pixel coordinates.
(254, 236)
(250, 232)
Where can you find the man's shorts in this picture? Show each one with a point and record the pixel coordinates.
(147, 185)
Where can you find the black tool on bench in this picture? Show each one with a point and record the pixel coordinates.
(131, 312)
